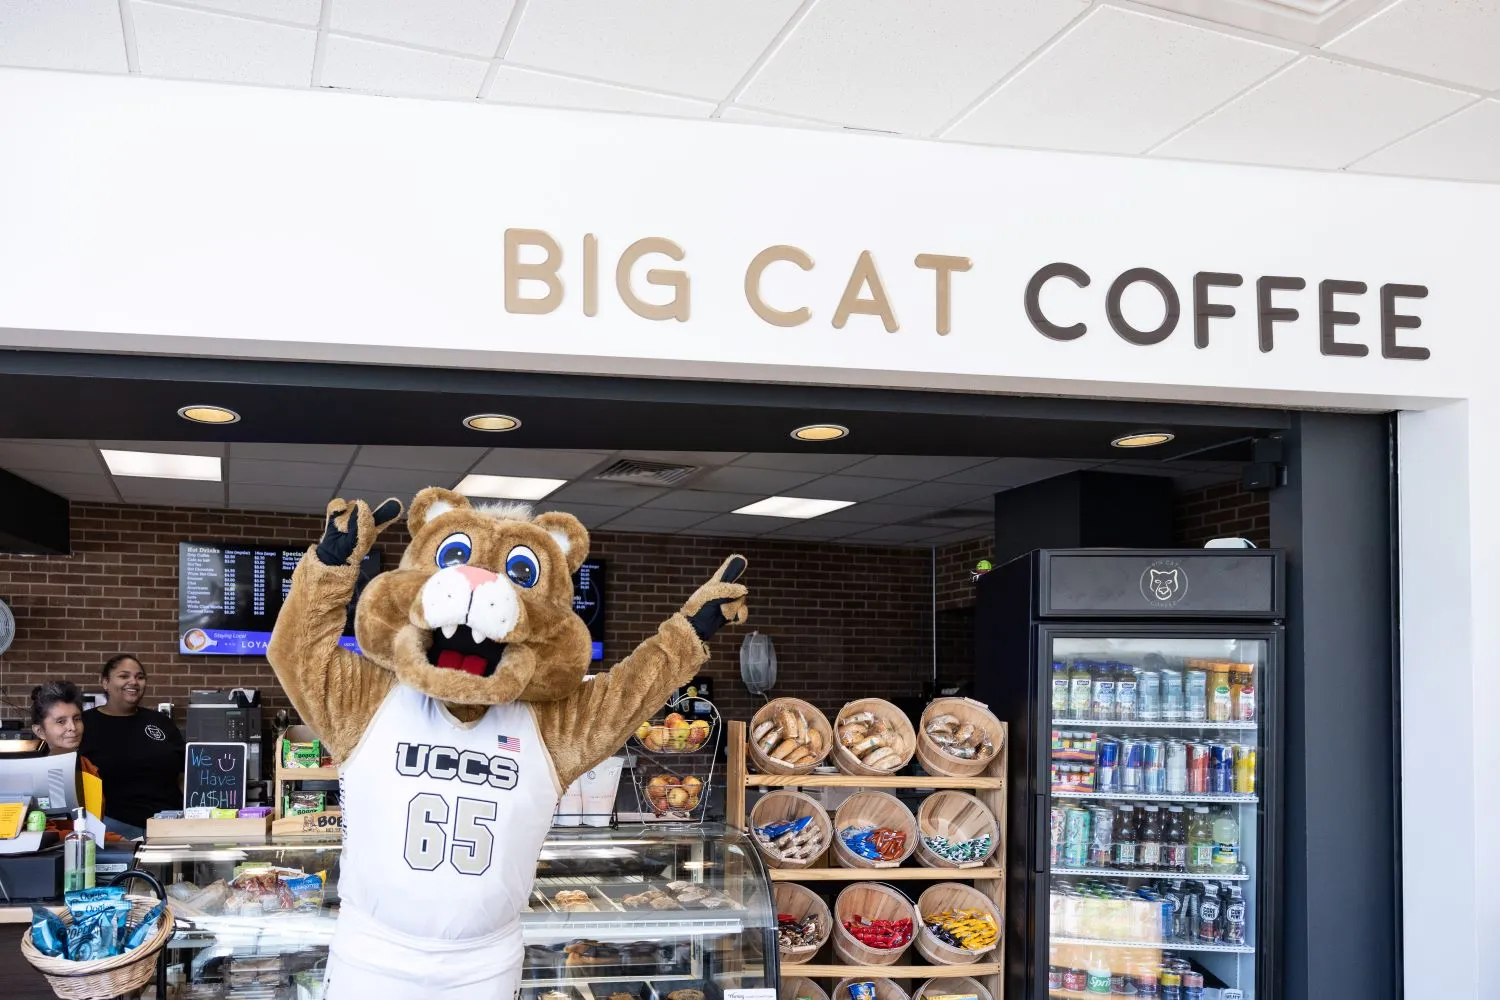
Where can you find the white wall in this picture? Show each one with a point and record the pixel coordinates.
(183, 218)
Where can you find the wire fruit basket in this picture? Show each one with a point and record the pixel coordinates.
(674, 774)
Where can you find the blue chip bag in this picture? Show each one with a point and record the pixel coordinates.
(138, 934)
(82, 901)
(93, 936)
(48, 932)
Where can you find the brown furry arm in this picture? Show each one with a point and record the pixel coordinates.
(335, 691)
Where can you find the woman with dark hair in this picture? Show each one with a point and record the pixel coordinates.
(139, 752)
(57, 719)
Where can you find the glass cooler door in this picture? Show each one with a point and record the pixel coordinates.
(1154, 804)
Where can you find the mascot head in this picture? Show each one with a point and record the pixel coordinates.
(480, 611)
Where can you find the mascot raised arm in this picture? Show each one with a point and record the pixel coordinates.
(460, 726)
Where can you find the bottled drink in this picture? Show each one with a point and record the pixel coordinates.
(1125, 837)
(1059, 690)
(1173, 701)
(78, 855)
(1195, 692)
(1242, 692)
(1201, 841)
(1226, 834)
(1104, 693)
(1080, 690)
(1234, 916)
(1098, 973)
(1207, 929)
(1148, 695)
(1126, 691)
(1175, 841)
(1175, 895)
(1148, 848)
(1220, 702)
(1101, 837)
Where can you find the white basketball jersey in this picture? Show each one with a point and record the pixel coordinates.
(443, 821)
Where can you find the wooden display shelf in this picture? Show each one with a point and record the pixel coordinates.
(295, 775)
(913, 781)
(882, 874)
(789, 971)
(329, 773)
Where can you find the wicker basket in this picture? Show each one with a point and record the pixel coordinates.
(800, 988)
(958, 816)
(885, 989)
(873, 901)
(873, 809)
(781, 805)
(104, 977)
(764, 762)
(952, 896)
(941, 986)
(905, 742)
(934, 760)
(799, 901)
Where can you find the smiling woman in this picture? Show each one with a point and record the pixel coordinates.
(138, 751)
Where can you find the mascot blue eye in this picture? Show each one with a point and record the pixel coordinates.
(522, 567)
(455, 550)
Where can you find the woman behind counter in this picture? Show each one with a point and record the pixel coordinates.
(139, 752)
(57, 719)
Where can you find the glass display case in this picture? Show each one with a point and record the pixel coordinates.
(663, 913)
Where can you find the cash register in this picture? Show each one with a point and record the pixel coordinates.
(31, 862)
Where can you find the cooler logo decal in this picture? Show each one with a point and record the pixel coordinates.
(1164, 583)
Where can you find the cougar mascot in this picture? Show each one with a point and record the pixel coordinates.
(457, 729)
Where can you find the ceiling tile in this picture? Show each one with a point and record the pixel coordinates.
(1008, 472)
(1316, 114)
(877, 513)
(526, 86)
(71, 484)
(916, 467)
(856, 488)
(611, 494)
(78, 35)
(1443, 39)
(766, 482)
(194, 45)
(296, 11)
(370, 483)
(279, 497)
(657, 519)
(1119, 82)
(702, 500)
(898, 65)
(470, 26)
(166, 447)
(938, 494)
(52, 458)
(592, 515)
(1465, 147)
(700, 458)
(680, 46)
(738, 524)
(262, 473)
(170, 491)
(538, 462)
(377, 68)
(749, 116)
(330, 453)
(897, 534)
(435, 459)
(798, 463)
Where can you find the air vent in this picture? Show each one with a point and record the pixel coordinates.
(630, 470)
(1310, 22)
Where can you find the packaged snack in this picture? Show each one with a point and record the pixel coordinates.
(93, 935)
(198, 812)
(137, 935)
(306, 892)
(309, 754)
(223, 814)
(48, 932)
(862, 991)
(300, 801)
(255, 812)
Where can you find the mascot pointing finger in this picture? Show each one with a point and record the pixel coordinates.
(470, 649)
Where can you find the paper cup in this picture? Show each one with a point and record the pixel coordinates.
(599, 787)
(570, 806)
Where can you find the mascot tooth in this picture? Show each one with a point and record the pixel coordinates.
(460, 725)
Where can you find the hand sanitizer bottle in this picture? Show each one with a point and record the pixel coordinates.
(78, 855)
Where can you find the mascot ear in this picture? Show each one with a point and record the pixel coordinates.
(431, 502)
(569, 533)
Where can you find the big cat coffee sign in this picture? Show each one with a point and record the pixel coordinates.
(653, 278)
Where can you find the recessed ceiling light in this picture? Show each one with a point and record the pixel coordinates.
(507, 487)
(793, 507)
(158, 465)
(1143, 439)
(491, 422)
(207, 413)
(820, 432)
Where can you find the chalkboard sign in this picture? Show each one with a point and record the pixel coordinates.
(215, 777)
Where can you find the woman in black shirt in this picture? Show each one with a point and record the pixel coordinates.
(139, 752)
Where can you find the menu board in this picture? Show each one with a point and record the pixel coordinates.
(588, 601)
(228, 596)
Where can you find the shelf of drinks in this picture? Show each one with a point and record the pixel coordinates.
(882, 874)
(1138, 724)
(1234, 949)
(1138, 873)
(1186, 798)
(913, 972)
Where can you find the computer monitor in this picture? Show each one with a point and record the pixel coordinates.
(51, 781)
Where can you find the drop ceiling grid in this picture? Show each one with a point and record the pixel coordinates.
(866, 65)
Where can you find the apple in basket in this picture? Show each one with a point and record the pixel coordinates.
(697, 733)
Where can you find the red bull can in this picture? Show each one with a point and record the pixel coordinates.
(1132, 765)
(1197, 776)
(1220, 769)
(1155, 767)
(1109, 765)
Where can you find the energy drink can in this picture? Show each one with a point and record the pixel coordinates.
(1156, 767)
(1057, 823)
(1173, 701)
(1220, 769)
(1132, 765)
(1192, 986)
(1054, 977)
(1148, 695)
(1075, 836)
(1108, 777)
(1244, 770)
(1177, 767)
(1171, 985)
(1197, 776)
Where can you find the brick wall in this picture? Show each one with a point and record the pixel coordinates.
(847, 621)
(1223, 511)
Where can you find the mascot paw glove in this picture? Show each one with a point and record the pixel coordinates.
(352, 529)
(719, 600)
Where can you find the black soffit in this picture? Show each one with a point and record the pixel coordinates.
(132, 398)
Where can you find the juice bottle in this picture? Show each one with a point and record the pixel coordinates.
(1201, 841)
(1059, 690)
(1104, 692)
(1148, 848)
(1220, 703)
(1243, 692)
(1126, 693)
(1080, 690)
(1175, 841)
(1226, 834)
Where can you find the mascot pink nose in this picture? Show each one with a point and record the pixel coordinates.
(477, 577)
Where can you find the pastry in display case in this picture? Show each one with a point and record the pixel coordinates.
(677, 913)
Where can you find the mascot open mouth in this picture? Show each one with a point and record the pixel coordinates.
(462, 651)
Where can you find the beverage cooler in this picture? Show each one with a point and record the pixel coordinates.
(1142, 692)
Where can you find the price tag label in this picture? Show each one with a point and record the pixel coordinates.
(749, 995)
(1232, 995)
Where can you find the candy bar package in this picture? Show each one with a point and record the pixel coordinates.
(304, 801)
(308, 754)
(48, 932)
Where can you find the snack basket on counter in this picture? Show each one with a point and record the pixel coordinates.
(119, 974)
(676, 783)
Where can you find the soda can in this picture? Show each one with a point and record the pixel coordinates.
(1244, 769)
(1075, 836)
(1055, 978)
(1148, 695)
(1197, 777)
(1221, 769)
(1173, 704)
(1156, 767)
(1057, 823)
(1192, 986)
(1108, 779)
(1102, 836)
(1132, 765)
(1177, 767)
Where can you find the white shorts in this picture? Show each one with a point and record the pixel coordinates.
(369, 961)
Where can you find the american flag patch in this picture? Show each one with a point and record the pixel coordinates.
(510, 743)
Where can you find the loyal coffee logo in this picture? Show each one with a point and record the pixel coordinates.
(1164, 583)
